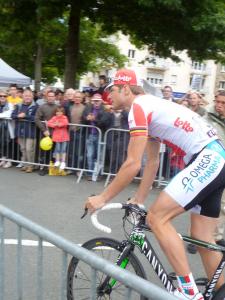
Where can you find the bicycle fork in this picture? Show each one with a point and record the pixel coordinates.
(122, 262)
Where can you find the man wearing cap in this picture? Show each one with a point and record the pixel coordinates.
(152, 120)
(96, 116)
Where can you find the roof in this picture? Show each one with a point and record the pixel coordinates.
(8, 75)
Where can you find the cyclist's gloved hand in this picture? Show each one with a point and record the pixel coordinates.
(94, 202)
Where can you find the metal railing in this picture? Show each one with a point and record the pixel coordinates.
(131, 281)
(103, 155)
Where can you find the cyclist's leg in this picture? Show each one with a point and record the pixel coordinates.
(163, 210)
(203, 228)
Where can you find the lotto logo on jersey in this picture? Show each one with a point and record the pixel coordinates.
(183, 124)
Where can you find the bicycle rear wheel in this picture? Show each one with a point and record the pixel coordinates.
(79, 273)
(220, 294)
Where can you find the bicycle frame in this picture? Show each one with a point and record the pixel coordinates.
(212, 283)
(138, 238)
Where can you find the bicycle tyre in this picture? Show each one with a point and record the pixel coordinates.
(220, 293)
(79, 273)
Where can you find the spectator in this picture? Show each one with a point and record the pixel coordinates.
(44, 113)
(168, 93)
(59, 122)
(195, 100)
(13, 97)
(95, 115)
(59, 95)
(68, 96)
(216, 116)
(87, 97)
(35, 93)
(20, 92)
(176, 162)
(74, 111)
(101, 90)
(43, 100)
(117, 141)
(6, 131)
(184, 101)
(25, 129)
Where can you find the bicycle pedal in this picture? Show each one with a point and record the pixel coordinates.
(172, 276)
(201, 281)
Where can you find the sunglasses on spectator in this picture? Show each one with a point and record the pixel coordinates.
(219, 102)
(3, 96)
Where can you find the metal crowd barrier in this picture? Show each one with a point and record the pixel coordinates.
(78, 149)
(36, 290)
(109, 152)
(115, 152)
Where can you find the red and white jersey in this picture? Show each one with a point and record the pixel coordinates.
(170, 123)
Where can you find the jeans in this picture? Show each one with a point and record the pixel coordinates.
(76, 149)
(60, 147)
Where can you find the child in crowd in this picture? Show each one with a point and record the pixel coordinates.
(60, 136)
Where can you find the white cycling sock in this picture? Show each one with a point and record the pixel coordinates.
(187, 285)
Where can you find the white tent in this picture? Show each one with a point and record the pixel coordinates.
(9, 75)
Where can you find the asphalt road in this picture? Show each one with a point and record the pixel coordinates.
(57, 204)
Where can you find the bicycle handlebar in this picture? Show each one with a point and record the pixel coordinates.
(94, 216)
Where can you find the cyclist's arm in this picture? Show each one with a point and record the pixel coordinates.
(150, 170)
(129, 168)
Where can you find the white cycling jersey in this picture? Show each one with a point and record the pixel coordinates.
(170, 123)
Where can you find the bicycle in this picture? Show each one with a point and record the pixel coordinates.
(122, 254)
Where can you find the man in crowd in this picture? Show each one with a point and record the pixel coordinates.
(44, 113)
(102, 89)
(94, 115)
(13, 96)
(168, 93)
(74, 110)
(68, 96)
(43, 99)
(216, 116)
(25, 129)
(6, 131)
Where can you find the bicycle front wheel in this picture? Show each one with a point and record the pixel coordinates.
(79, 273)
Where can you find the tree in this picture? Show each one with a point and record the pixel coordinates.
(40, 48)
(164, 26)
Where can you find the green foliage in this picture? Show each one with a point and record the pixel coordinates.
(164, 26)
(168, 25)
(38, 24)
(96, 51)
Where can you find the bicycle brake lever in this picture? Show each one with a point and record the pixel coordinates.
(85, 213)
(86, 210)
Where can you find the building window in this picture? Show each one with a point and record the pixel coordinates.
(197, 82)
(131, 53)
(155, 78)
(222, 68)
(222, 85)
(198, 66)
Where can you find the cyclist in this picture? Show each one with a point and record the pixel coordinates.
(197, 188)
